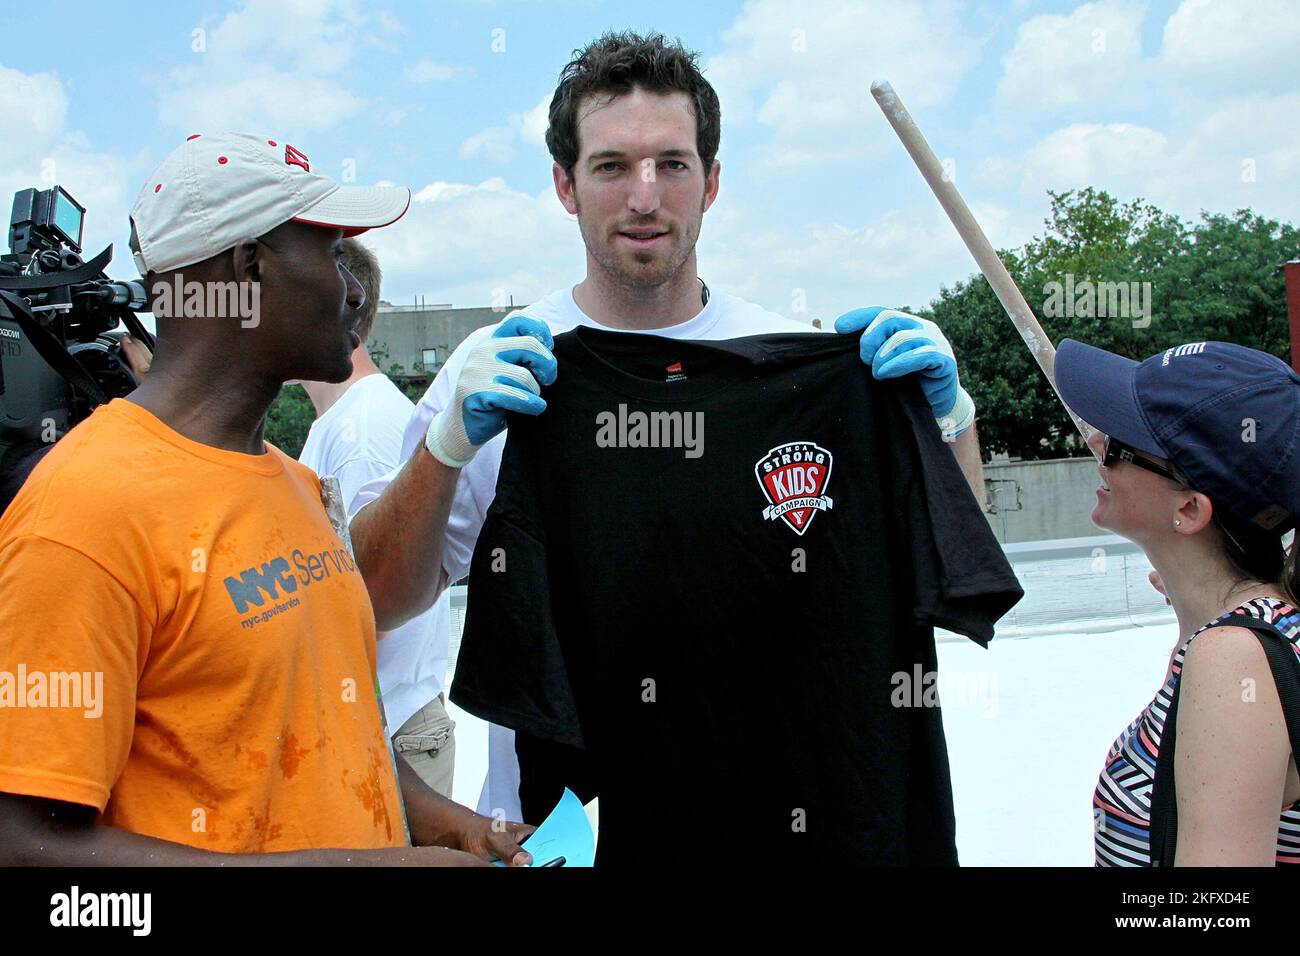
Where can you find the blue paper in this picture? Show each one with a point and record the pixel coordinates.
(565, 832)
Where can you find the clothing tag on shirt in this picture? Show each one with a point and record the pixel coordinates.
(674, 373)
(331, 496)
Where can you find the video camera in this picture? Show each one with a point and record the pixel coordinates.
(59, 354)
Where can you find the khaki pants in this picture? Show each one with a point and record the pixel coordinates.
(428, 743)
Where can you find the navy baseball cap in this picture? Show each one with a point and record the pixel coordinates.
(1228, 417)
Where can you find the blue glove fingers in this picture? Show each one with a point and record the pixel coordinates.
(485, 412)
(896, 344)
(879, 334)
(858, 319)
(541, 363)
(880, 324)
(912, 355)
(512, 400)
(938, 375)
(523, 325)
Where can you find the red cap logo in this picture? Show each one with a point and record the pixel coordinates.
(295, 158)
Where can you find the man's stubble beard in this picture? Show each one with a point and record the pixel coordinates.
(628, 270)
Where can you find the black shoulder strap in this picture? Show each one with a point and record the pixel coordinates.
(1283, 663)
(89, 269)
(52, 350)
(1164, 802)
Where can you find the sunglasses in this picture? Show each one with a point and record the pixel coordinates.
(1116, 450)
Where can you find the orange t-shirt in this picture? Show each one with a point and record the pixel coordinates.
(186, 645)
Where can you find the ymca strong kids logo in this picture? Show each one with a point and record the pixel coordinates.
(794, 476)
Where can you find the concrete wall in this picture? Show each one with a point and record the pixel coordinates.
(406, 332)
(1040, 500)
(1072, 585)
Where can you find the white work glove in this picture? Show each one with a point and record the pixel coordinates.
(501, 374)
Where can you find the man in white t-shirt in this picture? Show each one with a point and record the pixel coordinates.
(634, 132)
(357, 437)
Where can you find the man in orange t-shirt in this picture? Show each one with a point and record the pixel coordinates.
(187, 649)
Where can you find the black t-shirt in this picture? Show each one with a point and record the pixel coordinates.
(709, 570)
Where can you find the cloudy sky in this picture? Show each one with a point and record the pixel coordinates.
(1192, 104)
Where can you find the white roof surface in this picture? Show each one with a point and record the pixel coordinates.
(1028, 721)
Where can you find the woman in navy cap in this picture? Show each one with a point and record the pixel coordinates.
(1200, 450)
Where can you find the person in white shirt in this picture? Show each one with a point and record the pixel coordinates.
(357, 436)
(634, 133)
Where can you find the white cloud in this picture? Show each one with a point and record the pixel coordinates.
(255, 102)
(427, 71)
(31, 105)
(1122, 157)
(1091, 58)
(269, 66)
(833, 266)
(1218, 130)
(805, 72)
(1072, 60)
(497, 143)
(317, 36)
(1226, 46)
(466, 244)
(532, 124)
(1244, 152)
(38, 150)
(1240, 153)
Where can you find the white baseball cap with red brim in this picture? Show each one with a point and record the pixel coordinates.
(214, 190)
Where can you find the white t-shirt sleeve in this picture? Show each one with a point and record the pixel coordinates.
(477, 481)
(371, 490)
(436, 397)
(355, 473)
(474, 493)
(357, 439)
(412, 439)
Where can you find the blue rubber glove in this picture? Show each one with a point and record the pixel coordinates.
(501, 374)
(895, 344)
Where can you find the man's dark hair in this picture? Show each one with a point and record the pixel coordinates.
(617, 63)
(363, 264)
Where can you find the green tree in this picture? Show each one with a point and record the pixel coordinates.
(289, 419)
(1230, 285)
(1125, 277)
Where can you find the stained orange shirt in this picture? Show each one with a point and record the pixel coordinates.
(228, 628)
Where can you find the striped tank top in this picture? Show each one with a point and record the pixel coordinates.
(1121, 805)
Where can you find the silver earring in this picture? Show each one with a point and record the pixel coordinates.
(1178, 522)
